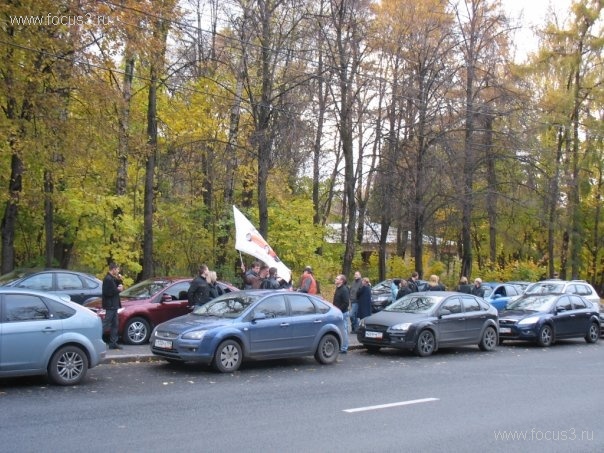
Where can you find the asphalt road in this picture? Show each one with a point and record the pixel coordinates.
(458, 400)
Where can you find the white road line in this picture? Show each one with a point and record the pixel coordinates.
(386, 406)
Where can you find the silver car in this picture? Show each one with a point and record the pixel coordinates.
(43, 334)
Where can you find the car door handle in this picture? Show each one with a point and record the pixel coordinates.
(318, 321)
(49, 329)
(284, 324)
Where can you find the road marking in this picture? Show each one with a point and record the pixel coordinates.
(386, 406)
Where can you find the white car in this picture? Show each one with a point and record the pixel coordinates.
(578, 287)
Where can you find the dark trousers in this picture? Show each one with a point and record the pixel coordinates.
(110, 323)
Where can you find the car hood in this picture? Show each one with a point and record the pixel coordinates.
(517, 315)
(389, 318)
(193, 322)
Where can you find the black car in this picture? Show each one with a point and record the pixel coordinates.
(425, 321)
(79, 286)
(545, 318)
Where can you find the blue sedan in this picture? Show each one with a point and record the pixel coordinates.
(252, 324)
(43, 334)
(544, 318)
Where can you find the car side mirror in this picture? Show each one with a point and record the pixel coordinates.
(444, 312)
(165, 297)
(258, 316)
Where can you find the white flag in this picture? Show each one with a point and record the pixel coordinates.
(248, 240)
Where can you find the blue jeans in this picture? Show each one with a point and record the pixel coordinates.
(344, 346)
(354, 321)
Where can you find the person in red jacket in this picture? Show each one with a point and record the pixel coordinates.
(308, 284)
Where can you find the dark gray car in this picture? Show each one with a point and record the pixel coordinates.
(423, 322)
(79, 286)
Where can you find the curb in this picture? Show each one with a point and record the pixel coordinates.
(150, 357)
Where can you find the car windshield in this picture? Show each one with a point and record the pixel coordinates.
(487, 290)
(413, 303)
(535, 302)
(226, 306)
(545, 287)
(144, 289)
(12, 276)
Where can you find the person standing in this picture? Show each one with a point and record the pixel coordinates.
(307, 282)
(364, 299)
(404, 289)
(464, 286)
(354, 304)
(199, 290)
(213, 287)
(394, 287)
(271, 281)
(112, 286)
(341, 299)
(251, 277)
(413, 286)
(477, 289)
(434, 284)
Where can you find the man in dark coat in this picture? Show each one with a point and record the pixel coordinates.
(341, 299)
(364, 299)
(199, 290)
(112, 286)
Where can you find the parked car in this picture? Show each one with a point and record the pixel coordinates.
(381, 293)
(252, 324)
(148, 303)
(425, 321)
(43, 334)
(499, 294)
(578, 287)
(545, 318)
(79, 286)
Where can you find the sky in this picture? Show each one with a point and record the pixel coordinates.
(532, 13)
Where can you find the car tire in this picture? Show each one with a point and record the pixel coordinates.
(593, 334)
(228, 356)
(425, 343)
(136, 331)
(372, 349)
(489, 339)
(68, 366)
(328, 349)
(545, 337)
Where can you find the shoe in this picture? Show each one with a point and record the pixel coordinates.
(343, 352)
(115, 346)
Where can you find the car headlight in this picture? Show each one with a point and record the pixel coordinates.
(403, 327)
(194, 335)
(528, 321)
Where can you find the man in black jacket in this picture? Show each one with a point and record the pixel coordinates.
(112, 286)
(199, 290)
(341, 299)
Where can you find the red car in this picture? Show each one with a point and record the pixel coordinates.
(149, 303)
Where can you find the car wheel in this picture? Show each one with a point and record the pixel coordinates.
(68, 366)
(228, 356)
(489, 339)
(593, 333)
(328, 349)
(425, 343)
(372, 349)
(137, 331)
(545, 337)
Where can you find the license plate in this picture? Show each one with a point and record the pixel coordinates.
(505, 330)
(376, 335)
(164, 344)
